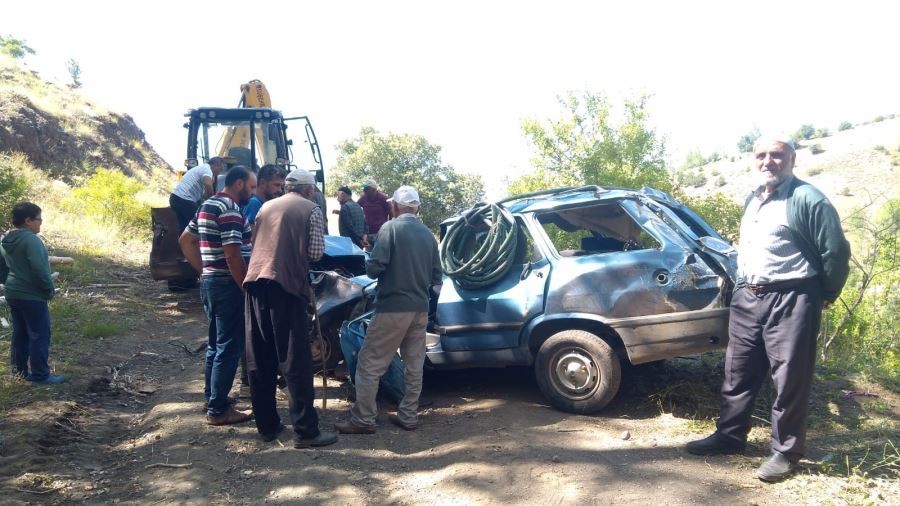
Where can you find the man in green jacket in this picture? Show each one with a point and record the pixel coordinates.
(793, 261)
(25, 271)
(407, 264)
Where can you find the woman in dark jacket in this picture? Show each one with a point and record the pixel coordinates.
(25, 271)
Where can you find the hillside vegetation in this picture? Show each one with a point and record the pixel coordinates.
(854, 167)
(67, 136)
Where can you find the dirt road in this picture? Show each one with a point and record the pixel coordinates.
(136, 434)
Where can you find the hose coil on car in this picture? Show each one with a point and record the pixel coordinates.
(479, 248)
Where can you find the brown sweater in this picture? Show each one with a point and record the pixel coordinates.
(280, 244)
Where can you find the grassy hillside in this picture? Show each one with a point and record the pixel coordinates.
(67, 136)
(853, 167)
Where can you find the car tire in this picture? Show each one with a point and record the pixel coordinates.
(577, 371)
(332, 342)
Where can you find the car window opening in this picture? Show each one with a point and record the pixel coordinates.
(595, 230)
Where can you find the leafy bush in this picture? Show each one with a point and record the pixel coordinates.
(879, 119)
(816, 149)
(821, 133)
(690, 178)
(814, 171)
(805, 132)
(745, 144)
(721, 212)
(112, 197)
(721, 181)
(14, 186)
(862, 329)
(845, 125)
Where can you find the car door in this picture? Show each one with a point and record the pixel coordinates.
(490, 318)
(655, 291)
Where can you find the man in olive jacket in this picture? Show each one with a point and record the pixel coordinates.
(407, 264)
(25, 271)
(793, 262)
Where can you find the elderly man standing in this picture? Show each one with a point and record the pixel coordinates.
(196, 186)
(406, 262)
(288, 235)
(216, 242)
(376, 208)
(352, 220)
(793, 262)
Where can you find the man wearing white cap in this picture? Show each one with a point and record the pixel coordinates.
(406, 262)
(287, 237)
(793, 261)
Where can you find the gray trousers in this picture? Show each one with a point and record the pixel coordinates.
(773, 332)
(386, 333)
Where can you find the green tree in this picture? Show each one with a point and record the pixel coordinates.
(845, 125)
(720, 211)
(16, 48)
(588, 145)
(74, 72)
(805, 132)
(745, 144)
(395, 160)
(693, 159)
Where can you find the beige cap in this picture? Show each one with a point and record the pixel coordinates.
(300, 176)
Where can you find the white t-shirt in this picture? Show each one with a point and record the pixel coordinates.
(191, 185)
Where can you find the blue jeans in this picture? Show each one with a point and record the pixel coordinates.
(224, 304)
(30, 338)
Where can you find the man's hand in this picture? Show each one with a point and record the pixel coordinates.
(365, 242)
(190, 248)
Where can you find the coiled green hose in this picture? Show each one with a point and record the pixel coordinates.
(480, 247)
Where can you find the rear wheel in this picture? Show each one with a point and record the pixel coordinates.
(332, 346)
(577, 371)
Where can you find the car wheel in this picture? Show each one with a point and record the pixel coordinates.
(332, 344)
(577, 371)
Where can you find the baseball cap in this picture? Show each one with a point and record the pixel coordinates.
(370, 183)
(300, 176)
(407, 196)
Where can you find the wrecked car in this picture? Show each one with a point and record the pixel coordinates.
(592, 277)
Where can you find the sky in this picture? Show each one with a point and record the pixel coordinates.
(464, 74)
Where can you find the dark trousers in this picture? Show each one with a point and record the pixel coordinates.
(773, 332)
(184, 210)
(30, 339)
(277, 329)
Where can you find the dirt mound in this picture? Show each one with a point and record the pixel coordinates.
(62, 133)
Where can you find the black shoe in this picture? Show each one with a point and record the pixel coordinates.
(776, 468)
(268, 437)
(323, 439)
(715, 445)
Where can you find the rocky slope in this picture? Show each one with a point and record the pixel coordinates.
(62, 133)
(854, 168)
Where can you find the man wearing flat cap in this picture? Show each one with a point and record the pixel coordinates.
(287, 237)
(793, 261)
(376, 208)
(352, 220)
(406, 262)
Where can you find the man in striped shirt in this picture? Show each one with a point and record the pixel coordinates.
(217, 243)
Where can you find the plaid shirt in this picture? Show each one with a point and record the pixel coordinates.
(316, 246)
(219, 222)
